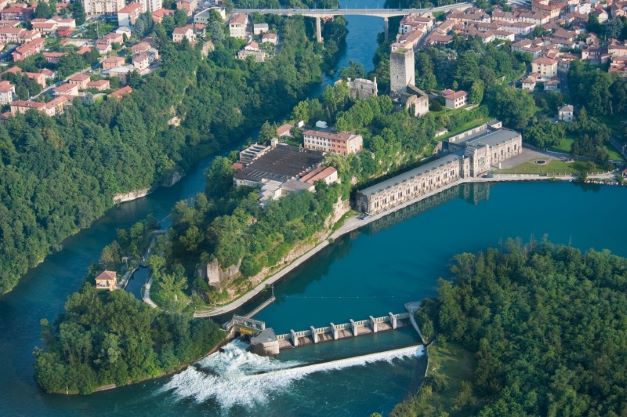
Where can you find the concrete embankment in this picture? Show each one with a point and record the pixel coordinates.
(354, 223)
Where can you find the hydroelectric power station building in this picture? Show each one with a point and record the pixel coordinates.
(470, 154)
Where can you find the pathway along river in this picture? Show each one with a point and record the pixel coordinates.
(372, 271)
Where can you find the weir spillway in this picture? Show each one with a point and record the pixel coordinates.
(264, 341)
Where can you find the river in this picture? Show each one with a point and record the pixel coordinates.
(371, 271)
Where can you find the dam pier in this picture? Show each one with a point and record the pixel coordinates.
(264, 341)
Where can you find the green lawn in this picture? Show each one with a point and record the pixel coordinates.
(564, 146)
(465, 126)
(614, 155)
(554, 167)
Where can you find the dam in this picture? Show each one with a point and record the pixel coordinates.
(264, 341)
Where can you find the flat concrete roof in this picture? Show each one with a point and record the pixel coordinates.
(493, 138)
(265, 336)
(422, 169)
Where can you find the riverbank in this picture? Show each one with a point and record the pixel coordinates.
(449, 366)
(356, 222)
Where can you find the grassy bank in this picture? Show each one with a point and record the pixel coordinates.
(554, 167)
(446, 389)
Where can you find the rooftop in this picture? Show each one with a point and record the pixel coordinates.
(422, 169)
(280, 164)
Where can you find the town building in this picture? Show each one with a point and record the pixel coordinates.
(17, 11)
(270, 37)
(119, 93)
(67, 89)
(253, 50)
(280, 163)
(151, 6)
(260, 28)
(545, 67)
(238, 25)
(99, 85)
(469, 156)
(80, 79)
(343, 143)
(566, 113)
(28, 49)
(158, 15)
(95, 8)
(107, 280)
(454, 99)
(328, 175)
(128, 15)
(7, 91)
(285, 130)
(112, 62)
(188, 6)
(185, 32)
(402, 71)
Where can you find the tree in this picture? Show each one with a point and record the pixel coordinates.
(180, 18)
(43, 10)
(476, 92)
(78, 12)
(514, 107)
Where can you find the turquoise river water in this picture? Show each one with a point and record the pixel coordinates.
(369, 272)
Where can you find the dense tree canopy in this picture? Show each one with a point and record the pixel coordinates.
(59, 174)
(546, 325)
(112, 338)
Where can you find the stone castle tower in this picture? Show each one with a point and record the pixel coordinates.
(402, 71)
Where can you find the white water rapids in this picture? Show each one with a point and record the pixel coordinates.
(238, 377)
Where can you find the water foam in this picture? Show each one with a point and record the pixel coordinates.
(238, 377)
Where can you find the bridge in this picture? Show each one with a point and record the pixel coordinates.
(319, 14)
(264, 341)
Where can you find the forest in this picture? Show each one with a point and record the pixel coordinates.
(105, 338)
(545, 325)
(57, 175)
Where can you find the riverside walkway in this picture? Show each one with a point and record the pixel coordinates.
(356, 222)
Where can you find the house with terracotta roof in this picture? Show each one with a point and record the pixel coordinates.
(112, 62)
(67, 89)
(100, 85)
(454, 99)
(22, 106)
(28, 49)
(53, 57)
(141, 61)
(253, 50)
(270, 37)
(79, 79)
(107, 280)
(284, 130)
(17, 11)
(546, 67)
(566, 113)
(158, 15)
(128, 15)
(343, 143)
(184, 32)
(326, 174)
(188, 6)
(118, 94)
(7, 91)
(39, 77)
(238, 25)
